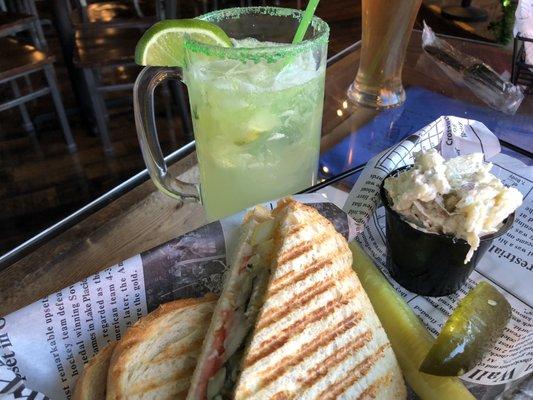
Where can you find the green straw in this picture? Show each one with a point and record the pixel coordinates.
(306, 20)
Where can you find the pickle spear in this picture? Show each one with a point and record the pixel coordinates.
(409, 338)
(471, 330)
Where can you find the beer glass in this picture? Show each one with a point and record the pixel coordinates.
(256, 110)
(387, 26)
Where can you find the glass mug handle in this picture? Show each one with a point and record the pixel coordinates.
(143, 106)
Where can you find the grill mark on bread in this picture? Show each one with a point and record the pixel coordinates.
(294, 303)
(283, 395)
(353, 375)
(301, 248)
(371, 392)
(274, 343)
(316, 373)
(294, 229)
(294, 252)
(294, 278)
(310, 348)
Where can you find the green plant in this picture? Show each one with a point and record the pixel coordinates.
(503, 28)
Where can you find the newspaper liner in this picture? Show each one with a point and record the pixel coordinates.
(45, 345)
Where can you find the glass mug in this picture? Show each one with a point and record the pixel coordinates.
(256, 111)
(387, 26)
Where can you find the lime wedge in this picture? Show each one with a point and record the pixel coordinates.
(162, 45)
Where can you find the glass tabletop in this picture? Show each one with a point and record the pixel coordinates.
(134, 216)
(353, 135)
(430, 94)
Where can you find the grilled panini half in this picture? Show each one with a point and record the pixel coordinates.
(316, 335)
(156, 357)
(293, 320)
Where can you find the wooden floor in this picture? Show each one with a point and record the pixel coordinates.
(41, 182)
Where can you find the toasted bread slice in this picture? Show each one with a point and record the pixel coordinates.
(156, 357)
(316, 335)
(92, 383)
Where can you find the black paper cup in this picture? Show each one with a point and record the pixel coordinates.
(429, 264)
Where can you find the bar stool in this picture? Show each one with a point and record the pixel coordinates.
(23, 17)
(111, 44)
(96, 49)
(19, 60)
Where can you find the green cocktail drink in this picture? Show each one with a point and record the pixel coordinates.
(256, 108)
(257, 127)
